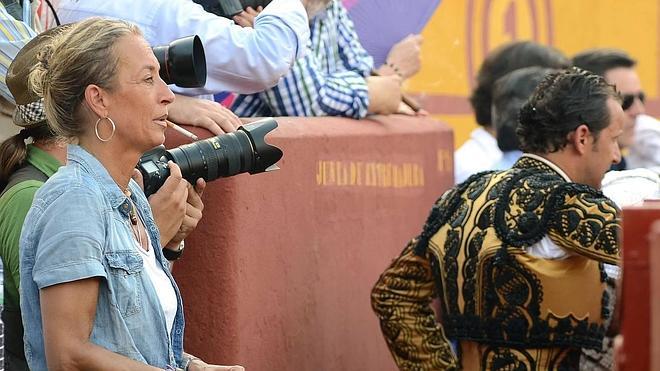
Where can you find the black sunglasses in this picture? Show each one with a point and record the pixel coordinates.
(629, 99)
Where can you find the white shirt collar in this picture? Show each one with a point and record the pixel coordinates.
(550, 164)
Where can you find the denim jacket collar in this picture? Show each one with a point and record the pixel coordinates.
(91, 164)
(109, 187)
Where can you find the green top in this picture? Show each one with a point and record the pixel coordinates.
(14, 205)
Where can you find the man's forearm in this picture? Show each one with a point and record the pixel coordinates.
(401, 299)
(250, 60)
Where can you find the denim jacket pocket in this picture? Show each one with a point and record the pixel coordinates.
(125, 280)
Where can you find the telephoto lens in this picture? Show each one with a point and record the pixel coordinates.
(244, 150)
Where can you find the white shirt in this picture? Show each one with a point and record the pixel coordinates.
(478, 153)
(162, 284)
(631, 187)
(546, 248)
(645, 150)
(241, 60)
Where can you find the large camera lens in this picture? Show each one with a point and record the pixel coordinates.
(182, 62)
(244, 150)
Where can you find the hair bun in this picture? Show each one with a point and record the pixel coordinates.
(32, 57)
(42, 59)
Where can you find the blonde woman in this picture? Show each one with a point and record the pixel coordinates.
(95, 289)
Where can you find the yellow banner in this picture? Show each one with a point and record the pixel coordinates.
(461, 32)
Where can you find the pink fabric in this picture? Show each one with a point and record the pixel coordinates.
(349, 3)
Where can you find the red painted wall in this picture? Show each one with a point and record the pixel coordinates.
(278, 273)
(638, 261)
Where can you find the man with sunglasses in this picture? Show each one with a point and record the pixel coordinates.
(618, 68)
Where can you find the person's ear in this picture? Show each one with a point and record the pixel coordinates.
(580, 139)
(96, 100)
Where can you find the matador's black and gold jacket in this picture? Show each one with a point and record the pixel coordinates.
(502, 307)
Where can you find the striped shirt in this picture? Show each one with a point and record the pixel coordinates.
(14, 35)
(328, 81)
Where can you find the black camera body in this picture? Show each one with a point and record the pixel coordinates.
(244, 150)
(229, 8)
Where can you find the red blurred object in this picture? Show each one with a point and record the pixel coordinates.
(640, 310)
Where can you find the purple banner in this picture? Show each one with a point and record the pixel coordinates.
(382, 23)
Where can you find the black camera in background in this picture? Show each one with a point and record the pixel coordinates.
(182, 62)
(229, 8)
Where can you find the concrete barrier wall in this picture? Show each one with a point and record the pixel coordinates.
(278, 273)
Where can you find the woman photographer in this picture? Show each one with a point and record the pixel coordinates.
(96, 291)
(25, 167)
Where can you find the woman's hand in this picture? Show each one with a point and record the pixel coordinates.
(203, 113)
(194, 208)
(177, 206)
(169, 204)
(199, 365)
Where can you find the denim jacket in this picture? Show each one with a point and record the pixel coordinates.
(78, 228)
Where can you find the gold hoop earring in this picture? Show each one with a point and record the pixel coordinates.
(96, 129)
